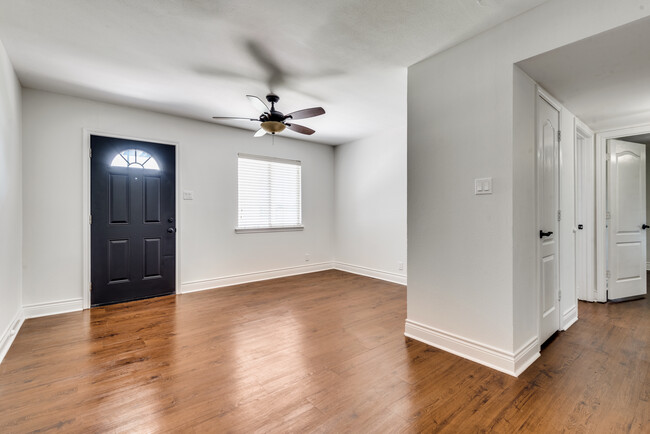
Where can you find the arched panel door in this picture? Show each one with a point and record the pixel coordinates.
(627, 226)
(133, 220)
(548, 121)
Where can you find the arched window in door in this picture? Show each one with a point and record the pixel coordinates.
(136, 158)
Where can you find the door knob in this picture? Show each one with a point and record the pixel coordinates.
(645, 226)
(580, 227)
(171, 230)
(543, 234)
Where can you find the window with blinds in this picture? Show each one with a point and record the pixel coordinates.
(269, 194)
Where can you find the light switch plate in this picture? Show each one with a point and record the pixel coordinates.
(188, 195)
(483, 186)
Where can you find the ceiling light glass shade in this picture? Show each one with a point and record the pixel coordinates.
(273, 127)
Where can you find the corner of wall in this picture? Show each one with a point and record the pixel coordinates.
(8, 336)
(511, 363)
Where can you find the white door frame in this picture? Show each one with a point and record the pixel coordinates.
(588, 206)
(601, 200)
(85, 218)
(538, 277)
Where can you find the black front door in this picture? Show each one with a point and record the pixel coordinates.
(133, 220)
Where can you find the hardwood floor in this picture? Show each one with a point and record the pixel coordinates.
(320, 352)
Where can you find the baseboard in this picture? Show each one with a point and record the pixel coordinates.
(8, 336)
(526, 355)
(495, 358)
(371, 272)
(569, 318)
(53, 308)
(647, 266)
(238, 279)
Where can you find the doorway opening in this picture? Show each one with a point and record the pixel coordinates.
(626, 234)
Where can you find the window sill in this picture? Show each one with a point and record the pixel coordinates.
(259, 230)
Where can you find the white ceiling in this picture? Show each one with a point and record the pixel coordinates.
(604, 80)
(199, 58)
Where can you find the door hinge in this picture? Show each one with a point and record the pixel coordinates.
(91, 153)
(608, 157)
(559, 135)
(90, 219)
(608, 215)
(91, 287)
(559, 214)
(559, 296)
(608, 274)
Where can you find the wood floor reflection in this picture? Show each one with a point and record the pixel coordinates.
(319, 352)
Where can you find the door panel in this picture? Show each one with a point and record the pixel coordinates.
(118, 260)
(133, 242)
(151, 199)
(627, 208)
(119, 198)
(152, 257)
(548, 120)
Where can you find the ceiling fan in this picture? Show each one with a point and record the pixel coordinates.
(273, 121)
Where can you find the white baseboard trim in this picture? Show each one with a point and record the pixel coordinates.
(495, 358)
(8, 336)
(526, 355)
(647, 266)
(238, 279)
(53, 308)
(371, 272)
(569, 318)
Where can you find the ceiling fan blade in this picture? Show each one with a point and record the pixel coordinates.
(307, 113)
(258, 103)
(300, 129)
(260, 132)
(230, 117)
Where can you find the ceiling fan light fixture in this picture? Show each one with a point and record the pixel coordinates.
(273, 127)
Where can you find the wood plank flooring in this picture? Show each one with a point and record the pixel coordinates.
(321, 352)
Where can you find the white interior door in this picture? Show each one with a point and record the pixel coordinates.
(548, 121)
(585, 216)
(581, 218)
(627, 226)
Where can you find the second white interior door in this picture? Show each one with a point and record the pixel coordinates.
(627, 226)
(548, 121)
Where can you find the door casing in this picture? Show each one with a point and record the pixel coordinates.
(601, 200)
(85, 151)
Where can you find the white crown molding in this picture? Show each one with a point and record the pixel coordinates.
(53, 308)
(371, 272)
(8, 335)
(509, 363)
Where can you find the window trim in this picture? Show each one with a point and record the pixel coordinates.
(265, 158)
(278, 229)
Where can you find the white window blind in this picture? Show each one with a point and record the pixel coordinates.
(269, 193)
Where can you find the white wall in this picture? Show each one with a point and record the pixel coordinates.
(524, 252)
(210, 250)
(460, 126)
(370, 196)
(10, 202)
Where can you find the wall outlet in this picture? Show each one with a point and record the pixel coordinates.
(307, 257)
(483, 186)
(400, 266)
(188, 195)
